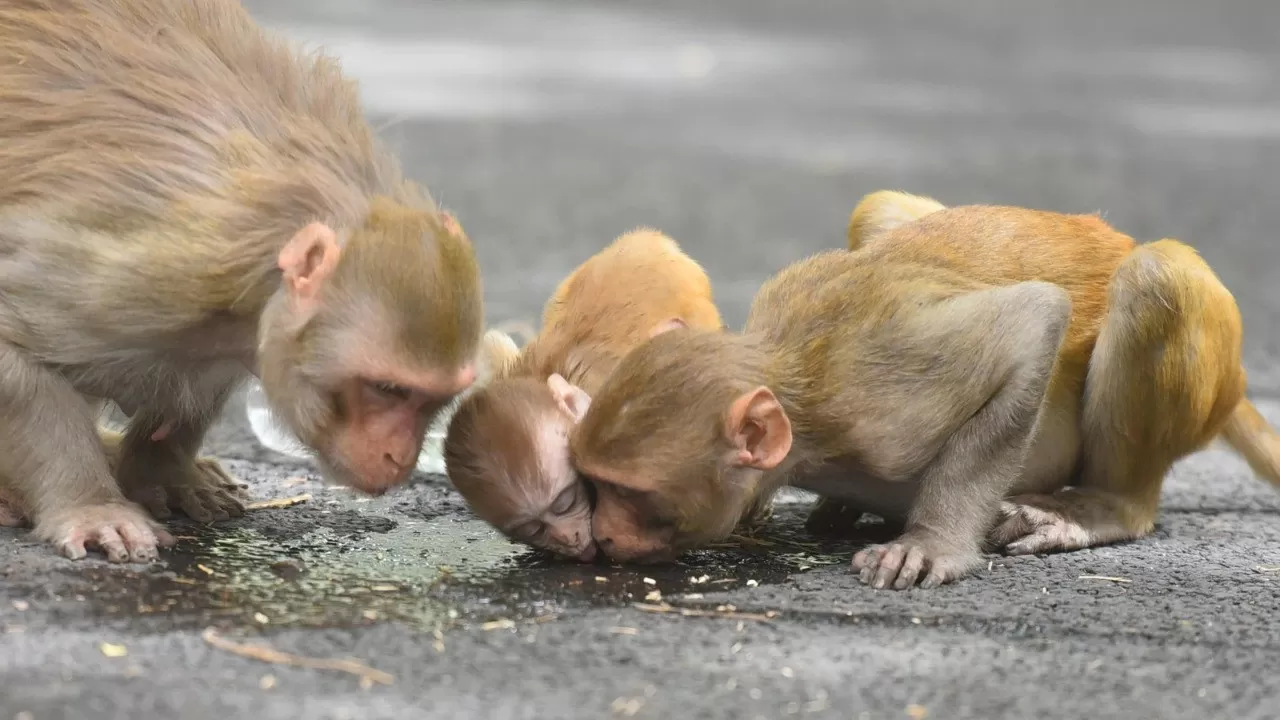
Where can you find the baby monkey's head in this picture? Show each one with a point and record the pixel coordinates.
(507, 452)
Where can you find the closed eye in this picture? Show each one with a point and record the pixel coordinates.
(528, 531)
(391, 390)
(566, 500)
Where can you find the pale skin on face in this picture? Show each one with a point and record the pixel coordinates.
(551, 508)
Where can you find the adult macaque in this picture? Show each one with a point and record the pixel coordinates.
(187, 200)
(957, 357)
(507, 448)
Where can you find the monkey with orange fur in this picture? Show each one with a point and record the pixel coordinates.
(507, 450)
(187, 201)
(955, 358)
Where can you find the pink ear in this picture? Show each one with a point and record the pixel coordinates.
(758, 427)
(450, 224)
(307, 260)
(668, 325)
(572, 399)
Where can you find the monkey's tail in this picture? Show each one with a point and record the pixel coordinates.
(1249, 434)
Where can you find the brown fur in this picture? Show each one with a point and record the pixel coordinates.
(506, 449)
(947, 362)
(167, 165)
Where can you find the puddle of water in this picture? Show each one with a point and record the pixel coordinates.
(427, 575)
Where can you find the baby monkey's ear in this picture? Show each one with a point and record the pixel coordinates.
(571, 398)
(759, 429)
(667, 325)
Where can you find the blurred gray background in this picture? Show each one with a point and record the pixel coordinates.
(747, 130)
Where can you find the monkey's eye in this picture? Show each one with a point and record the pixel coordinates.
(528, 531)
(566, 500)
(391, 390)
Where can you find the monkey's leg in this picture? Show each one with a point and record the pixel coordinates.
(159, 469)
(12, 511)
(53, 463)
(1002, 345)
(1163, 380)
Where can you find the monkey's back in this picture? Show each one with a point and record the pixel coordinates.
(155, 106)
(857, 297)
(1006, 245)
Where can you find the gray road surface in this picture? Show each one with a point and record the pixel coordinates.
(747, 130)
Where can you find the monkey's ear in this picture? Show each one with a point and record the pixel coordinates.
(307, 260)
(571, 398)
(668, 325)
(759, 429)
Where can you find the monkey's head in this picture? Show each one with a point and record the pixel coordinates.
(677, 442)
(507, 453)
(372, 332)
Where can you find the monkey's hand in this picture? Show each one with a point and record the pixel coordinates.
(121, 530)
(196, 487)
(899, 564)
(1069, 519)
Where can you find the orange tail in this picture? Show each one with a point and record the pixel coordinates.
(1257, 442)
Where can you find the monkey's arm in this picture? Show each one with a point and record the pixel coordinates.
(994, 352)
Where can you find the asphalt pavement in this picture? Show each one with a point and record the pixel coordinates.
(746, 129)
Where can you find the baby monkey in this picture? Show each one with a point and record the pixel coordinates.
(979, 373)
(507, 447)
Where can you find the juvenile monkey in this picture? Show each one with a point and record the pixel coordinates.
(507, 450)
(186, 201)
(956, 357)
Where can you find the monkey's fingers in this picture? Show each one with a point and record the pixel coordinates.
(195, 503)
(213, 471)
(900, 563)
(912, 566)
(122, 531)
(1013, 525)
(154, 499)
(111, 544)
(1028, 530)
(890, 564)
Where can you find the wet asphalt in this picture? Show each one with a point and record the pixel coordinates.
(747, 130)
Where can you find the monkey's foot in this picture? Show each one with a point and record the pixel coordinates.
(1068, 520)
(900, 563)
(120, 530)
(202, 490)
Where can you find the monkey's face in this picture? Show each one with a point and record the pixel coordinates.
(507, 453)
(676, 445)
(365, 343)
(652, 513)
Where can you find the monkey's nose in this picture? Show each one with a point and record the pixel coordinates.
(398, 462)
